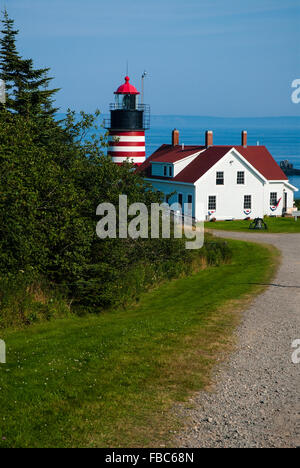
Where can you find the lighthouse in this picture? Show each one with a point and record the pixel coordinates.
(128, 121)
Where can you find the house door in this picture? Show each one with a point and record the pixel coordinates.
(284, 202)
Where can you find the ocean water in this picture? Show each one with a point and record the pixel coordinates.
(281, 135)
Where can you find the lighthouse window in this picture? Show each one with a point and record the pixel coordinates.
(170, 171)
(128, 101)
(165, 171)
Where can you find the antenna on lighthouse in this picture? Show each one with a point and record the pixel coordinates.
(143, 77)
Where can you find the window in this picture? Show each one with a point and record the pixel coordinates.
(170, 171)
(180, 199)
(273, 198)
(220, 178)
(247, 202)
(212, 202)
(189, 205)
(165, 171)
(240, 177)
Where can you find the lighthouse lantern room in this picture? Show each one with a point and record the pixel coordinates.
(127, 125)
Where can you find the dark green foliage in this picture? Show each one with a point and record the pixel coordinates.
(26, 299)
(297, 203)
(53, 175)
(52, 180)
(49, 195)
(27, 88)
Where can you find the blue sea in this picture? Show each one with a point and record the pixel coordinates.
(281, 135)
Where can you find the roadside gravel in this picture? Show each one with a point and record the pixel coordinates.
(254, 401)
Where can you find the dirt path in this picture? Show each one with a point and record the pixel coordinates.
(255, 400)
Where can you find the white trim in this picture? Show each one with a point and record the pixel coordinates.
(292, 187)
(248, 164)
(279, 181)
(284, 182)
(194, 155)
(168, 181)
(235, 153)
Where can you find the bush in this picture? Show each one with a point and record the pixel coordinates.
(120, 286)
(52, 180)
(25, 299)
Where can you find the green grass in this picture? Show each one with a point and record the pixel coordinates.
(274, 225)
(110, 380)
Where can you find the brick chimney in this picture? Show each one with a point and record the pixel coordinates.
(175, 137)
(208, 138)
(244, 138)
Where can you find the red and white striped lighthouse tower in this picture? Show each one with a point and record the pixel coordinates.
(128, 122)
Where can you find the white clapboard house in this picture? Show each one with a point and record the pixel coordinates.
(222, 182)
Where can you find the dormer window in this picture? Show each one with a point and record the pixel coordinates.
(170, 171)
(165, 171)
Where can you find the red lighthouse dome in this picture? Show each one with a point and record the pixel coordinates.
(126, 88)
(128, 122)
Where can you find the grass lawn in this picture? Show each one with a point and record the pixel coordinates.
(110, 380)
(274, 225)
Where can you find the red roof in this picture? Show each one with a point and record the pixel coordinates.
(126, 88)
(263, 162)
(258, 156)
(170, 154)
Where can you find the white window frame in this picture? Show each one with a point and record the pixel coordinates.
(220, 178)
(237, 178)
(272, 203)
(208, 201)
(244, 202)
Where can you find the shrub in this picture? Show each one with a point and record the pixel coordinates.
(25, 299)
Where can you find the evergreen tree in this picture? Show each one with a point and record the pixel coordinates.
(27, 88)
(9, 58)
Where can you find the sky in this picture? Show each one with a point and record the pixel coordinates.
(226, 58)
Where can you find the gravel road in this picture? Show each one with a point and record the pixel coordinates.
(254, 401)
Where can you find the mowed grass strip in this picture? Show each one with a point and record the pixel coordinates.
(111, 380)
(275, 225)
